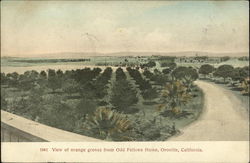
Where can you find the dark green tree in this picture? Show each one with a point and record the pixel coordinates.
(166, 71)
(149, 94)
(206, 69)
(225, 58)
(3, 79)
(13, 79)
(224, 71)
(151, 64)
(85, 107)
(186, 74)
(43, 75)
(123, 96)
(59, 74)
(70, 86)
(170, 65)
(57, 113)
(244, 72)
(53, 81)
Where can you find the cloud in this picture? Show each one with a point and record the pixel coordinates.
(60, 26)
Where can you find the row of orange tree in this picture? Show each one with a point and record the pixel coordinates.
(237, 77)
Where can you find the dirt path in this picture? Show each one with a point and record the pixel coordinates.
(224, 117)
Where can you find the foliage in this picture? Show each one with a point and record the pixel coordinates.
(136, 75)
(3, 79)
(120, 75)
(99, 85)
(123, 96)
(156, 71)
(186, 74)
(85, 107)
(85, 75)
(148, 74)
(166, 71)
(174, 94)
(244, 72)
(109, 124)
(150, 94)
(76, 96)
(158, 78)
(169, 59)
(206, 69)
(245, 58)
(245, 85)
(201, 58)
(96, 71)
(170, 65)
(43, 75)
(70, 86)
(224, 59)
(28, 80)
(235, 75)
(58, 114)
(147, 91)
(150, 64)
(3, 101)
(12, 79)
(224, 71)
(29, 106)
(53, 82)
(151, 129)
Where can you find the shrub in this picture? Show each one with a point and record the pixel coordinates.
(150, 129)
(109, 124)
(245, 85)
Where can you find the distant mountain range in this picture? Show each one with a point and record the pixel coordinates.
(91, 54)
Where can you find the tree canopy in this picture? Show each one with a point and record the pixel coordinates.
(224, 71)
(206, 69)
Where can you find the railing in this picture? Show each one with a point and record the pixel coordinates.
(15, 128)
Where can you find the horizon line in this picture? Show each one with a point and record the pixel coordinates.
(108, 53)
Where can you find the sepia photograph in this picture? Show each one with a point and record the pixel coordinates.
(125, 71)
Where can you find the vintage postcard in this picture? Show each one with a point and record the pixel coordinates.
(125, 81)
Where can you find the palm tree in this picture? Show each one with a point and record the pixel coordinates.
(174, 94)
(109, 124)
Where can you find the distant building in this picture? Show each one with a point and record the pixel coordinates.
(198, 59)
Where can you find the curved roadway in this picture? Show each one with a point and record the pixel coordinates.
(224, 117)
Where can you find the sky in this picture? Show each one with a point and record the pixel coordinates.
(33, 28)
